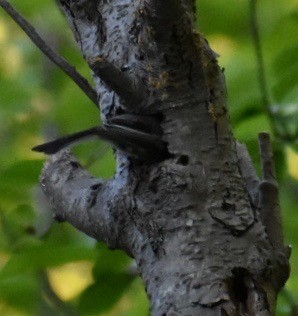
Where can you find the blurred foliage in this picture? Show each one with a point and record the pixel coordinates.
(39, 257)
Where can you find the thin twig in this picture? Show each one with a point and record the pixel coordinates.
(269, 203)
(268, 166)
(259, 53)
(49, 52)
(260, 62)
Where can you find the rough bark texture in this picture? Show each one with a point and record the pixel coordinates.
(204, 230)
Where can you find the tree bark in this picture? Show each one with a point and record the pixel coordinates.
(205, 232)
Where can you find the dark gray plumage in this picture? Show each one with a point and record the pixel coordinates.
(138, 136)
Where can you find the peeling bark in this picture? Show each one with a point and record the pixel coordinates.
(200, 225)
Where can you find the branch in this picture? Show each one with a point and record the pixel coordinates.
(73, 193)
(50, 53)
(269, 205)
(97, 207)
(268, 166)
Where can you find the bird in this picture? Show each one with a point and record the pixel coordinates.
(137, 135)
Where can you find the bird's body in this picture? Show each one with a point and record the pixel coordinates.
(138, 136)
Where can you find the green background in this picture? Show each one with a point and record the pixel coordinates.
(48, 268)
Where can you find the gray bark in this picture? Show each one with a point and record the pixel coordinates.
(204, 230)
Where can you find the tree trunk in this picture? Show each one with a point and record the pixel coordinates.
(204, 230)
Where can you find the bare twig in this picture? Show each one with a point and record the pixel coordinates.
(49, 52)
(259, 53)
(263, 84)
(268, 166)
(269, 204)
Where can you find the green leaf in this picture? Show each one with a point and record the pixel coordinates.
(105, 166)
(111, 277)
(286, 121)
(250, 128)
(136, 297)
(285, 83)
(109, 261)
(11, 195)
(21, 292)
(75, 111)
(104, 293)
(286, 59)
(213, 21)
(294, 15)
(12, 99)
(247, 111)
(40, 256)
(63, 234)
(294, 145)
(285, 68)
(283, 306)
(25, 172)
(280, 161)
(18, 224)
